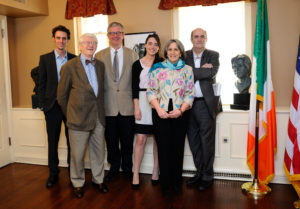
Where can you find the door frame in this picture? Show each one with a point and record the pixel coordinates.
(8, 102)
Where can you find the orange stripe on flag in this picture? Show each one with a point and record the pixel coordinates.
(267, 147)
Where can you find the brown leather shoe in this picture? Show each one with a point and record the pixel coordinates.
(78, 192)
(101, 187)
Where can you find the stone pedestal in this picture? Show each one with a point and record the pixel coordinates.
(240, 102)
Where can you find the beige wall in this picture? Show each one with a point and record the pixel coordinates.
(32, 37)
(23, 9)
(143, 16)
(284, 32)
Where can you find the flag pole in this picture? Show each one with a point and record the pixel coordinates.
(288, 160)
(255, 189)
(296, 204)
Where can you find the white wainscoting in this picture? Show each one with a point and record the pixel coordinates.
(30, 143)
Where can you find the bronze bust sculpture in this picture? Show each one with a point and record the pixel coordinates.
(241, 65)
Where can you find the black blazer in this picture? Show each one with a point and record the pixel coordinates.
(48, 81)
(207, 77)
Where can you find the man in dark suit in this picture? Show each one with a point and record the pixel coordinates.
(206, 106)
(49, 68)
(118, 101)
(80, 95)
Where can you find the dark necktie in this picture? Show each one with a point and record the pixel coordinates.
(93, 62)
(116, 66)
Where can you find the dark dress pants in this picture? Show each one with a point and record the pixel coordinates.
(54, 117)
(170, 138)
(119, 130)
(201, 136)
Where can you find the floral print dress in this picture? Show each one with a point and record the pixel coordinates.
(176, 84)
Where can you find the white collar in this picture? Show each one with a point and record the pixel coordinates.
(112, 50)
(197, 56)
(57, 55)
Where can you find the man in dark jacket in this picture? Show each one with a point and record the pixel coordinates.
(49, 68)
(206, 106)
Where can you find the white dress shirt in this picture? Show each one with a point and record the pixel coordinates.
(90, 73)
(197, 63)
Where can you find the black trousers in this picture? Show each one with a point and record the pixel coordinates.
(54, 117)
(119, 130)
(170, 138)
(201, 137)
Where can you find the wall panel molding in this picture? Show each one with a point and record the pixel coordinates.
(30, 144)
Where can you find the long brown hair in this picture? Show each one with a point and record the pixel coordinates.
(157, 55)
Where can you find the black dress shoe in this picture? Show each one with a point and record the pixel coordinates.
(52, 180)
(111, 175)
(135, 186)
(204, 185)
(154, 182)
(78, 192)
(166, 192)
(177, 189)
(194, 180)
(101, 187)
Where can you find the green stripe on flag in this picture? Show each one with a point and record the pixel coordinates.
(260, 47)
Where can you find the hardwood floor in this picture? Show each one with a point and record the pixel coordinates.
(22, 186)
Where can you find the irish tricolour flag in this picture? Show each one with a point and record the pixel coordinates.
(262, 91)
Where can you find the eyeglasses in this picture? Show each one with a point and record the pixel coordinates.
(94, 43)
(115, 33)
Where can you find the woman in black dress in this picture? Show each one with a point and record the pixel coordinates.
(142, 108)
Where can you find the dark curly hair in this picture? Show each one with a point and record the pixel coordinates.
(61, 28)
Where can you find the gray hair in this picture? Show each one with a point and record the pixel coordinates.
(179, 45)
(91, 35)
(115, 24)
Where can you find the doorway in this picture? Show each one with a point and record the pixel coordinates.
(5, 96)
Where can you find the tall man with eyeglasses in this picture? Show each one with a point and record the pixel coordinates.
(80, 95)
(118, 102)
(206, 106)
(49, 68)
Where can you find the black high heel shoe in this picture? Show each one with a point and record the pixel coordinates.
(135, 186)
(154, 182)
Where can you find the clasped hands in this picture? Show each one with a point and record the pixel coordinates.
(172, 114)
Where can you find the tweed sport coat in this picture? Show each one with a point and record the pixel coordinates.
(118, 95)
(76, 96)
